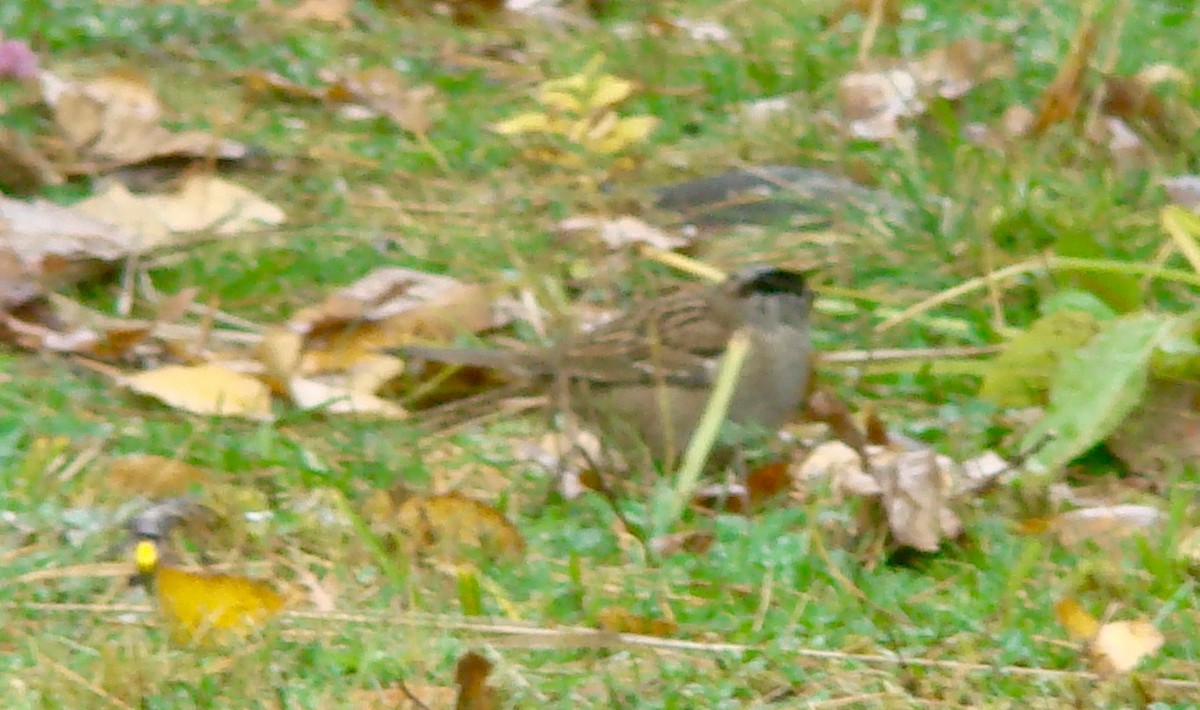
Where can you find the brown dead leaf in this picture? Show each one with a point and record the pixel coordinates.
(154, 476)
(1062, 96)
(204, 389)
(470, 674)
(952, 71)
(873, 103)
(44, 247)
(1163, 433)
(378, 91)
(1105, 525)
(387, 308)
(113, 121)
(625, 231)
(620, 620)
(203, 203)
(384, 91)
(23, 169)
(762, 484)
(445, 525)
(916, 498)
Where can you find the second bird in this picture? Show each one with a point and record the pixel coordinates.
(643, 379)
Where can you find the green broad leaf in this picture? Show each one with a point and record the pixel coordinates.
(1121, 292)
(1074, 300)
(1022, 375)
(1095, 388)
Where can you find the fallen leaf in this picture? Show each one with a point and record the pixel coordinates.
(23, 169)
(1081, 625)
(315, 394)
(470, 674)
(113, 121)
(1162, 433)
(449, 524)
(378, 91)
(1120, 645)
(625, 231)
(387, 308)
(1106, 524)
(916, 497)
(622, 621)
(202, 203)
(204, 389)
(44, 246)
(1113, 647)
(872, 104)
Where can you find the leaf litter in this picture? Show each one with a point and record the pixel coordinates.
(915, 489)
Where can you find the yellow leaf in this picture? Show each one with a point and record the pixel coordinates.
(530, 122)
(1078, 623)
(204, 389)
(1120, 645)
(561, 101)
(447, 524)
(624, 134)
(609, 90)
(332, 399)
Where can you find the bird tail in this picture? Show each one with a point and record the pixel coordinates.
(503, 360)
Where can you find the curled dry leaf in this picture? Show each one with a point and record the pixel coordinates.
(204, 389)
(1113, 647)
(378, 91)
(113, 121)
(202, 203)
(872, 104)
(625, 231)
(281, 351)
(1105, 525)
(916, 496)
(44, 247)
(916, 488)
(386, 308)
(474, 693)
(449, 524)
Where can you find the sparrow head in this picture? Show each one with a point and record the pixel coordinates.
(773, 295)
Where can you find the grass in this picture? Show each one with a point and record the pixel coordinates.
(784, 582)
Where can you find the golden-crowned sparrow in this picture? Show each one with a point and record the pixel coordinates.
(644, 378)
